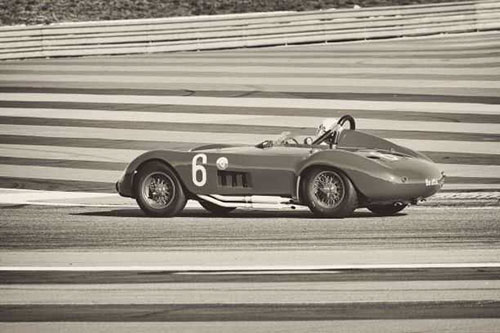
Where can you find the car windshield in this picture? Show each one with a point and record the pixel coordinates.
(286, 139)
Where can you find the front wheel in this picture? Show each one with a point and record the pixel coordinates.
(159, 191)
(386, 210)
(329, 193)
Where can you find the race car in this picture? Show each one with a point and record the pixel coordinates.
(338, 171)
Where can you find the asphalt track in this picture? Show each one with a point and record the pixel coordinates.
(76, 268)
(73, 124)
(55, 228)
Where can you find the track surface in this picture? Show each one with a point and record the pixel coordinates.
(52, 228)
(75, 270)
(73, 124)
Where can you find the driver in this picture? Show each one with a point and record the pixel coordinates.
(327, 125)
(285, 139)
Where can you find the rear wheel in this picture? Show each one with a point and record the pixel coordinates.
(386, 210)
(329, 193)
(159, 191)
(215, 209)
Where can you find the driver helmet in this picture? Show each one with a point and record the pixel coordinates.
(327, 125)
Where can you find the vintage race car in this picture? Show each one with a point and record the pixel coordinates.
(340, 170)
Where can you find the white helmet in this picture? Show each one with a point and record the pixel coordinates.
(327, 125)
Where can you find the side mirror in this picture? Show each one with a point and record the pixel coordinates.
(308, 141)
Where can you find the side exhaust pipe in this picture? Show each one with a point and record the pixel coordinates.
(254, 201)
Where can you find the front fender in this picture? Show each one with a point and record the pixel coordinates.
(174, 159)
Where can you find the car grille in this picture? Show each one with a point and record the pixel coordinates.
(233, 179)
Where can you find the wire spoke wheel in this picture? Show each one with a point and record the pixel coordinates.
(329, 193)
(158, 190)
(328, 189)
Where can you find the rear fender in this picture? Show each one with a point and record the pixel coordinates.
(364, 173)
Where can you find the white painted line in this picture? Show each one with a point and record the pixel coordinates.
(26, 196)
(457, 207)
(249, 120)
(183, 57)
(296, 103)
(51, 194)
(71, 199)
(484, 325)
(250, 293)
(89, 205)
(486, 72)
(252, 272)
(62, 204)
(70, 153)
(59, 198)
(450, 146)
(469, 170)
(128, 134)
(243, 259)
(71, 174)
(236, 83)
(242, 269)
(471, 187)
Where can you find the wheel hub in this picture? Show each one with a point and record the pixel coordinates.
(158, 190)
(328, 189)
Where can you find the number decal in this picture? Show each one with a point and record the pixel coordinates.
(198, 168)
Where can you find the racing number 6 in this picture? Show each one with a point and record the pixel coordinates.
(199, 168)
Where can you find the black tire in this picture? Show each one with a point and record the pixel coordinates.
(215, 209)
(386, 210)
(338, 200)
(158, 191)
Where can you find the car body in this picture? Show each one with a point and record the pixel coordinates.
(369, 171)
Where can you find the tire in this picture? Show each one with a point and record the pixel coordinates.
(337, 199)
(158, 191)
(386, 210)
(215, 209)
